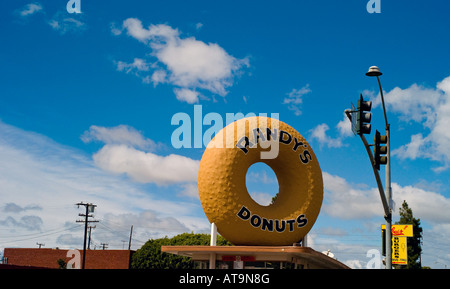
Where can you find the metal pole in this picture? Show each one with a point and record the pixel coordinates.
(384, 200)
(213, 235)
(85, 233)
(86, 221)
(387, 185)
(131, 234)
(212, 256)
(389, 199)
(89, 238)
(375, 172)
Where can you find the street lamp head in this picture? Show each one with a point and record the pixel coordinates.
(373, 71)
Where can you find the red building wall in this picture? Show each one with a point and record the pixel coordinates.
(47, 258)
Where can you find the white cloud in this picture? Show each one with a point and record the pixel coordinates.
(70, 240)
(190, 190)
(187, 95)
(63, 24)
(145, 220)
(114, 30)
(137, 64)
(415, 103)
(426, 205)
(320, 134)
(354, 264)
(14, 208)
(121, 134)
(146, 167)
(264, 199)
(349, 201)
(411, 150)
(193, 63)
(198, 26)
(361, 204)
(345, 127)
(158, 76)
(261, 177)
(30, 9)
(30, 223)
(60, 22)
(294, 99)
(345, 201)
(134, 28)
(126, 151)
(431, 108)
(187, 63)
(41, 180)
(340, 246)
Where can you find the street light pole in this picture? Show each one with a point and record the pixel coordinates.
(374, 71)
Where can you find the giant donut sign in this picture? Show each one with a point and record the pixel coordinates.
(223, 192)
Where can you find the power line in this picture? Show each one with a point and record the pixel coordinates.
(120, 233)
(35, 234)
(39, 235)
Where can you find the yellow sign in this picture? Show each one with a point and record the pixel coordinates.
(399, 251)
(400, 230)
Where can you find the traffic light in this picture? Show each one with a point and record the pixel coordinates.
(363, 116)
(379, 150)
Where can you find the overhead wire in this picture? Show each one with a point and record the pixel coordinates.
(120, 233)
(38, 235)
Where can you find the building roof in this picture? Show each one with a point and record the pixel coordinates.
(294, 254)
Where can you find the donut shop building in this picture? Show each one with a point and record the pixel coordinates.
(255, 257)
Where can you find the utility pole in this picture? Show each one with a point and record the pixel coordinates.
(104, 246)
(89, 209)
(40, 244)
(89, 241)
(131, 234)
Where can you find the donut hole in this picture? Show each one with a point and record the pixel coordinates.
(262, 183)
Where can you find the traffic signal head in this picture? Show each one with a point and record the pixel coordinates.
(379, 150)
(363, 116)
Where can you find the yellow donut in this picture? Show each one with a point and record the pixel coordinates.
(223, 192)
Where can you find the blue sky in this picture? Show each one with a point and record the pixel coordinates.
(86, 102)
